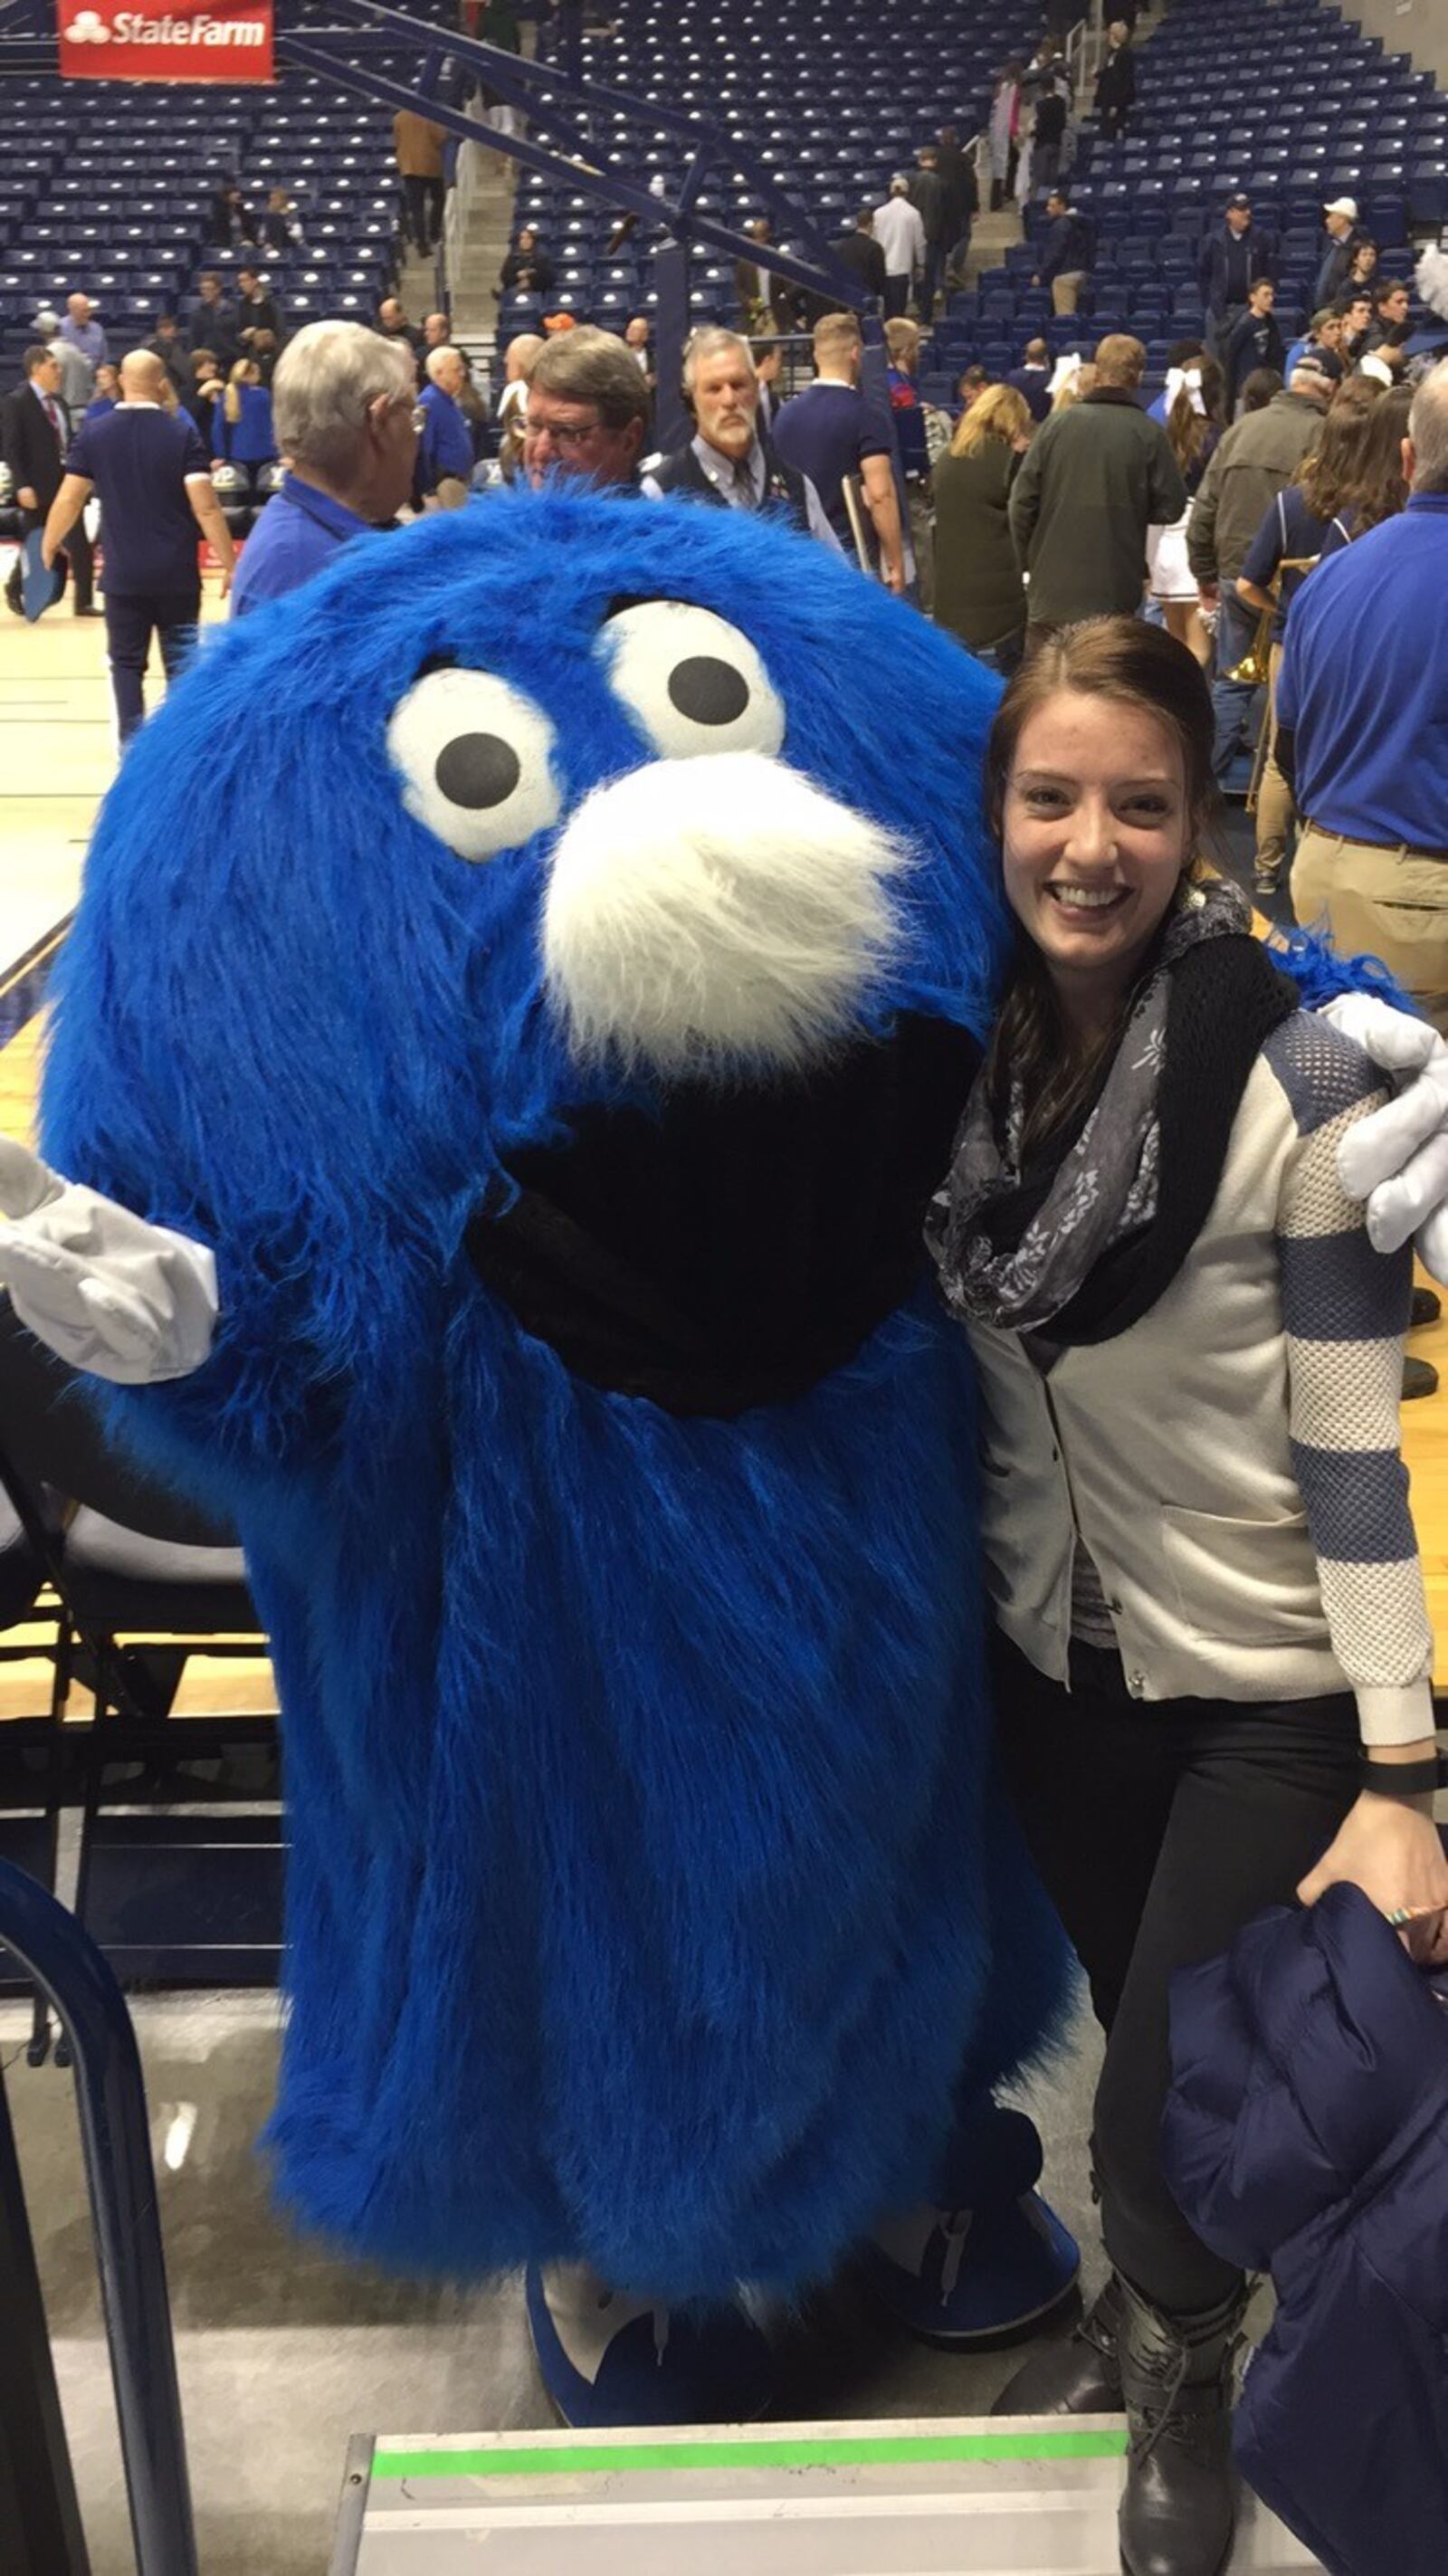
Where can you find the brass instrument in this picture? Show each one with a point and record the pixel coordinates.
(1254, 671)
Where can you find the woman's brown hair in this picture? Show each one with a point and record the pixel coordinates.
(1191, 431)
(1377, 490)
(1325, 477)
(1135, 665)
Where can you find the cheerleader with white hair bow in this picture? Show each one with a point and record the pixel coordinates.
(1195, 419)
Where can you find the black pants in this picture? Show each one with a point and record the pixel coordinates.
(131, 620)
(423, 199)
(1160, 1829)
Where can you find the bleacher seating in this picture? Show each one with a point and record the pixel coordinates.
(109, 189)
(1294, 104)
(831, 103)
(1292, 101)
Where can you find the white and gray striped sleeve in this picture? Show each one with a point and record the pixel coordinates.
(1345, 1313)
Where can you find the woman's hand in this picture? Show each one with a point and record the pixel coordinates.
(1394, 1853)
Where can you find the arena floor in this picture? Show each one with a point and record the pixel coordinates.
(284, 2352)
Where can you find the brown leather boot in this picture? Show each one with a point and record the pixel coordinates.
(1077, 2376)
(1179, 2509)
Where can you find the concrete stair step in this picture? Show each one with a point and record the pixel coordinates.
(971, 2496)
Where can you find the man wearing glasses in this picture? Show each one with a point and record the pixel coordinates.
(588, 410)
(344, 406)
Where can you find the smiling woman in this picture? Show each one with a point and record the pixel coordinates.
(1212, 1656)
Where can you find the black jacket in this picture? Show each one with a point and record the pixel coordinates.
(783, 487)
(1065, 245)
(862, 254)
(35, 456)
(1116, 81)
(259, 316)
(211, 326)
(931, 200)
(527, 272)
(1231, 265)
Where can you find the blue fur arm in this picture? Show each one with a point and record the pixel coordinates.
(1322, 976)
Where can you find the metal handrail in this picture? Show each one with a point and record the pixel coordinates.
(64, 1961)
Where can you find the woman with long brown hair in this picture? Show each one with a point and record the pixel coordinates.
(1213, 1661)
(979, 593)
(1301, 523)
(1196, 417)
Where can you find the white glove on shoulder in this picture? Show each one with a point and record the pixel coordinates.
(103, 1289)
(1397, 1160)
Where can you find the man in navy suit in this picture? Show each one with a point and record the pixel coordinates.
(36, 435)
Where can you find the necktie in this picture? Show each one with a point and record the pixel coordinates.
(52, 414)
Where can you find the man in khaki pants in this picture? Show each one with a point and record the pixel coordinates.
(1362, 727)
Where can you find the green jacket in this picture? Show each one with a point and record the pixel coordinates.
(979, 594)
(1094, 480)
(1258, 455)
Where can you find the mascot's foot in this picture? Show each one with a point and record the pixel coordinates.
(608, 2360)
(993, 2266)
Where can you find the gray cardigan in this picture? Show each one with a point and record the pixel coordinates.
(1230, 1463)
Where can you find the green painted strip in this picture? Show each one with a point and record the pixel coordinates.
(841, 2452)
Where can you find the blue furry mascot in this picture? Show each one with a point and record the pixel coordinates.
(555, 1023)
(544, 961)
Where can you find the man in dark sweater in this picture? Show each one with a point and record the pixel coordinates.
(1254, 341)
(256, 310)
(859, 252)
(931, 200)
(1065, 252)
(1232, 261)
(1340, 224)
(1093, 480)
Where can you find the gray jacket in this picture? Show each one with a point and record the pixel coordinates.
(1256, 458)
(1093, 480)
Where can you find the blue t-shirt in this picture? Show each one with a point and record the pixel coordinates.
(825, 433)
(447, 444)
(299, 532)
(140, 459)
(250, 439)
(1364, 683)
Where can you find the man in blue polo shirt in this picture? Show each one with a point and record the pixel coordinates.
(447, 442)
(1362, 727)
(344, 412)
(830, 430)
(152, 476)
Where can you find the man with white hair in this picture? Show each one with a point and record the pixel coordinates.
(901, 236)
(80, 331)
(344, 405)
(1362, 721)
(447, 447)
(728, 461)
(147, 466)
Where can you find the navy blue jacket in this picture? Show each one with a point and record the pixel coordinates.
(1065, 245)
(1308, 2131)
(1232, 263)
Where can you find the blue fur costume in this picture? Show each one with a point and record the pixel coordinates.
(651, 1899)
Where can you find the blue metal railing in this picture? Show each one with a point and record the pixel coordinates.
(110, 2092)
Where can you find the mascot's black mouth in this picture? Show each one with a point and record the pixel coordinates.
(737, 1247)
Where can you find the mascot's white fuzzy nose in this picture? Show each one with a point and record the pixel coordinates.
(707, 911)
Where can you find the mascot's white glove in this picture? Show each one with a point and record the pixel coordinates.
(103, 1289)
(1398, 1159)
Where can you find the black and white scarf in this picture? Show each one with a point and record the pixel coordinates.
(1082, 1243)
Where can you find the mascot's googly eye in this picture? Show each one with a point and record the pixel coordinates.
(693, 681)
(475, 757)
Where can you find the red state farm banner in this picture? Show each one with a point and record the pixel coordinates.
(166, 40)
